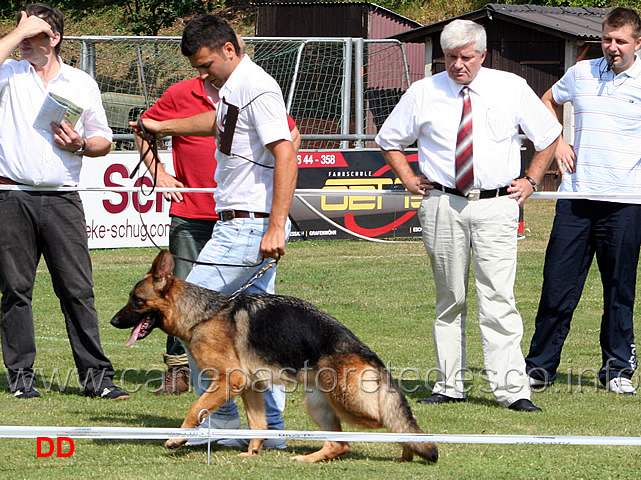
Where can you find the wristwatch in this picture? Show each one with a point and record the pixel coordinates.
(81, 151)
(535, 186)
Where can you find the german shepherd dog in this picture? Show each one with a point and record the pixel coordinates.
(257, 339)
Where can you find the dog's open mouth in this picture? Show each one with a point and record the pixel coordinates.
(141, 330)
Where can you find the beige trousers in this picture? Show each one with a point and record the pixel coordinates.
(456, 231)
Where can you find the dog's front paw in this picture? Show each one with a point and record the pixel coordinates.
(250, 453)
(175, 442)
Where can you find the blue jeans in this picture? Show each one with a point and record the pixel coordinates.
(187, 237)
(237, 242)
(581, 230)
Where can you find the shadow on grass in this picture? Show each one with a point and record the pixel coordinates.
(67, 383)
(293, 451)
(478, 388)
(584, 382)
(416, 390)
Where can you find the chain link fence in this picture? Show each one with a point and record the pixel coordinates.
(338, 90)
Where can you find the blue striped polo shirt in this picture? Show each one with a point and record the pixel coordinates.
(607, 130)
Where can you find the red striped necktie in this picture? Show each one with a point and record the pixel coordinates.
(464, 147)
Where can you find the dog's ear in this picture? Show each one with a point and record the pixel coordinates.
(162, 270)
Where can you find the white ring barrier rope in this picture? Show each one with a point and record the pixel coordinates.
(124, 433)
(311, 192)
(325, 192)
(324, 217)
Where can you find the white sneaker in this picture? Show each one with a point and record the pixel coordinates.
(277, 443)
(232, 423)
(621, 385)
(536, 383)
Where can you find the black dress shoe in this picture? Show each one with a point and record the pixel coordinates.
(524, 405)
(438, 398)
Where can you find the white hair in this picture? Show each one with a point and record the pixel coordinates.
(461, 32)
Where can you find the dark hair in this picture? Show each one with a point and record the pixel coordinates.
(621, 17)
(51, 15)
(207, 31)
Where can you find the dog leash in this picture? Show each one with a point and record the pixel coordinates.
(149, 140)
(271, 264)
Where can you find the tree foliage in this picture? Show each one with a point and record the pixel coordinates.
(144, 17)
(147, 17)
(8, 8)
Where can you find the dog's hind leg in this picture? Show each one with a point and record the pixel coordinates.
(255, 407)
(367, 397)
(319, 408)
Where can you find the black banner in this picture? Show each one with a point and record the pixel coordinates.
(373, 216)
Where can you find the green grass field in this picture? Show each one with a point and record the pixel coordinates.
(382, 292)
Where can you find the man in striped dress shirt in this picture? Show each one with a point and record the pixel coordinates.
(605, 159)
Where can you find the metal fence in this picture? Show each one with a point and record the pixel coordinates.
(338, 90)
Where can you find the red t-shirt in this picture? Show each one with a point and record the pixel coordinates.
(194, 162)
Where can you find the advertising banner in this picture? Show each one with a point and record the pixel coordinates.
(124, 219)
(141, 218)
(334, 216)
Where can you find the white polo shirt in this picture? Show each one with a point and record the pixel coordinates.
(430, 113)
(28, 155)
(245, 181)
(607, 128)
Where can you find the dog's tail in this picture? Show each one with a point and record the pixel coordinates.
(397, 417)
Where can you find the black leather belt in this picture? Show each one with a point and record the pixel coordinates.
(227, 215)
(475, 193)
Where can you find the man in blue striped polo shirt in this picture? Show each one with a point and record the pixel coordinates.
(605, 159)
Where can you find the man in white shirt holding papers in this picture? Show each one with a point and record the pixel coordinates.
(47, 223)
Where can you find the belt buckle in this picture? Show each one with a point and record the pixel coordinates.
(474, 194)
(227, 215)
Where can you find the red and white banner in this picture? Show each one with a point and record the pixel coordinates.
(124, 219)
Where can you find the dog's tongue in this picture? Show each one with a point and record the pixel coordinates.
(134, 335)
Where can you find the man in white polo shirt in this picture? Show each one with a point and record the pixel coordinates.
(49, 224)
(471, 205)
(256, 176)
(605, 159)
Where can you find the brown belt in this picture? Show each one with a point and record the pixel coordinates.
(227, 215)
(8, 181)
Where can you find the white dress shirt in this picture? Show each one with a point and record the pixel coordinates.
(28, 155)
(243, 182)
(430, 112)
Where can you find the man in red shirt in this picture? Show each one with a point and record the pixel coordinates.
(193, 215)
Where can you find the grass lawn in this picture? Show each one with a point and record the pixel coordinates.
(382, 292)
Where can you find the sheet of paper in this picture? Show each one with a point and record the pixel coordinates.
(55, 109)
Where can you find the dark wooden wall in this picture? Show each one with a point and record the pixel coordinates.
(312, 20)
(536, 56)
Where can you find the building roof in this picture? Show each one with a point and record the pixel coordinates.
(340, 5)
(567, 22)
